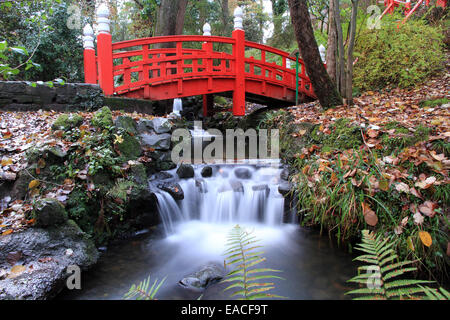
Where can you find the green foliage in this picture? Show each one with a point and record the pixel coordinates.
(383, 276)
(395, 56)
(102, 118)
(242, 255)
(142, 290)
(434, 294)
(40, 26)
(121, 188)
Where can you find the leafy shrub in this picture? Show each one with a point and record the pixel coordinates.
(401, 56)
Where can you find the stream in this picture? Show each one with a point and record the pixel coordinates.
(193, 233)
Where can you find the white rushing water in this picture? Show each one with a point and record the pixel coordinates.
(233, 194)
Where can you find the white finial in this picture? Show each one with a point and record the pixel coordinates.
(238, 14)
(322, 52)
(88, 39)
(206, 29)
(102, 18)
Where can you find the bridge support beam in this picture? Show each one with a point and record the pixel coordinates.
(208, 104)
(239, 54)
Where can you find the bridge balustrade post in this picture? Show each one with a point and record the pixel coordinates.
(239, 56)
(90, 65)
(104, 49)
(208, 99)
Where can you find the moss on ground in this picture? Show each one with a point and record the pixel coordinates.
(433, 102)
(102, 118)
(343, 136)
(67, 121)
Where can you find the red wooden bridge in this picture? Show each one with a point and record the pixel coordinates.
(408, 9)
(162, 68)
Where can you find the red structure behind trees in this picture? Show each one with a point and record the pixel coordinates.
(144, 69)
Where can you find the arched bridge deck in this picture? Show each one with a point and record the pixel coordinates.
(161, 68)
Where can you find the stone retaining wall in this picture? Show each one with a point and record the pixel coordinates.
(21, 96)
(70, 97)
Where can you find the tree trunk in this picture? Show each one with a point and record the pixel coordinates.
(323, 86)
(170, 22)
(340, 68)
(225, 18)
(171, 17)
(351, 45)
(331, 45)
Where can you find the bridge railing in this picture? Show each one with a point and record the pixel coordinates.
(152, 65)
(270, 71)
(142, 65)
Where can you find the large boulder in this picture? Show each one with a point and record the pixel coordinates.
(127, 124)
(204, 277)
(156, 141)
(49, 212)
(185, 171)
(34, 262)
(158, 125)
(130, 148)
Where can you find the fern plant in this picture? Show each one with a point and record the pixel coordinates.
(380, 277)
(242, 255)
(434, 294)
(142, 292)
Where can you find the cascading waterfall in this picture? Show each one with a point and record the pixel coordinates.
(168, 210)
(233, 194)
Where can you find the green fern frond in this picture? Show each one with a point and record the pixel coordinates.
(435, 294)
(380, 277)
(243, 255)
(142, 292)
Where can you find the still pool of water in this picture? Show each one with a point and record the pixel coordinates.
(313, 267)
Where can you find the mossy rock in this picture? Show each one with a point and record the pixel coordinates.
(165, 165)
(102, 118)
(127, 124)
(130, 148)
(49, 212)
(51, 155)
(138, 173)
(103, 181)
(66, 122)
